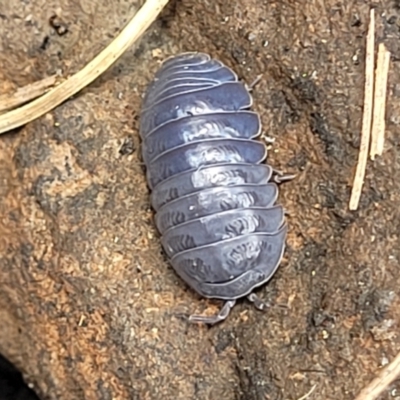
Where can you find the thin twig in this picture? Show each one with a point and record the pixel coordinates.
(26, 93)
(382, 381)
(367, 116)
(128, 36)
(383, 83)
(378, 123)
(308, 394)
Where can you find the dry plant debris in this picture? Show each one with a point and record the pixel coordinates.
(26, 93)
(382, 381)
(367, 115)
(374, 106)
(308, 394)
(374, 110)
(375, 99)
(378, 123)
(45, 103)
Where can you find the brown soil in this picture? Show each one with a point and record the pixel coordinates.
(89, 306)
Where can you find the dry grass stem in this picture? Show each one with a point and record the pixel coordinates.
(308, 394)
(382, 381)
(378, 123)
(128, 36)
(27, 93)
(367, 116)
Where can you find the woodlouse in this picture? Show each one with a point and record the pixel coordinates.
(214, 198)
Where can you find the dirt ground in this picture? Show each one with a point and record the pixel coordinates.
(90, 308)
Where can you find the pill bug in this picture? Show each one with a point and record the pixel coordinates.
(214, 198)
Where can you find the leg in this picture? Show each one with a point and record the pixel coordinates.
(262, 305)
(268, 139)
(280, 177)
(258, 303)
(213, 319)
(254, 83)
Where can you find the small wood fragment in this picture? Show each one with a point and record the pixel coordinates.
(367, 116)
(308, 394)
(26, 93)
(378, 123)
(387, 375)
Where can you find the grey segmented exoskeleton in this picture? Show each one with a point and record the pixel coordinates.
(214, 197)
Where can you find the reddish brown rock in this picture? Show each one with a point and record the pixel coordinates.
(90, 308)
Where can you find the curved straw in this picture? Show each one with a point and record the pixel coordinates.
(42, 105)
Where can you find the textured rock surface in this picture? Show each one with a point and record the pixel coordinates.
(90, 308)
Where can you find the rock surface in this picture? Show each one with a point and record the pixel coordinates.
(89, 306)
